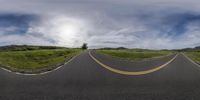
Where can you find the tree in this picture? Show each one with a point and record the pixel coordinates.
(84, 46)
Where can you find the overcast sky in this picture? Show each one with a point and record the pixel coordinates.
(152, 24)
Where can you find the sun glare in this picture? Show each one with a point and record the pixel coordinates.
(68, 30)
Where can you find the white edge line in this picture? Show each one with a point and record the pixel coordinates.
(42, 73)
(191, 60)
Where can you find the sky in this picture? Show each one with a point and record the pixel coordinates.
(149, 24)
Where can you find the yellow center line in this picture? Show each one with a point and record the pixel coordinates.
(130, 72)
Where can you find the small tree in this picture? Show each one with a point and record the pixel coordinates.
(84, 46)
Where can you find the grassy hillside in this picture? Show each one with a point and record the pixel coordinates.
(31, 61)
(135, 54)
(27, 47)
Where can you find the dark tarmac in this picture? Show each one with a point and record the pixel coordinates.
(84, 79)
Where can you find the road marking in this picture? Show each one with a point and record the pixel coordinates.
(128, 72)
(191, 60)
(42, 73)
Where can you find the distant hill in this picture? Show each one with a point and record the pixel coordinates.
(190, 49)
(198, 47)
(117, 48)
(26, 47)
(139, 49)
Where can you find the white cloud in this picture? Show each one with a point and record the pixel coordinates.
(63, 30)
(104, 23)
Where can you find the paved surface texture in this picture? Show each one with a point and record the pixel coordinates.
(131, 65)
(84, 79)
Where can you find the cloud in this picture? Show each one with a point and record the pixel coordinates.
(60, 30)
(149, 24)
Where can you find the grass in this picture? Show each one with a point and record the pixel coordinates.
(135, 54)
(35, 60)
(194, 55)
(27, 48)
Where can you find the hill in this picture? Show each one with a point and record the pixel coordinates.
(27, 47)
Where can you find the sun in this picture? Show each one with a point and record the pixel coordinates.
(69, 31)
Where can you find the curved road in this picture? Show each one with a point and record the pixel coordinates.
(84, 79)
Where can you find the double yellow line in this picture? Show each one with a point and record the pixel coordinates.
(128, 72)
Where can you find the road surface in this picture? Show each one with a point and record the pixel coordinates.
(85, 79)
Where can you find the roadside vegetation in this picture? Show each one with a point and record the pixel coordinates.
(194, 55)
(135, 54)
(34, 59)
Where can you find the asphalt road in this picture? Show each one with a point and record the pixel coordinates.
(84, 79)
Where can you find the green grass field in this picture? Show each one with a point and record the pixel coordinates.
(35, 60)
(135, 54)
(194, 55)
